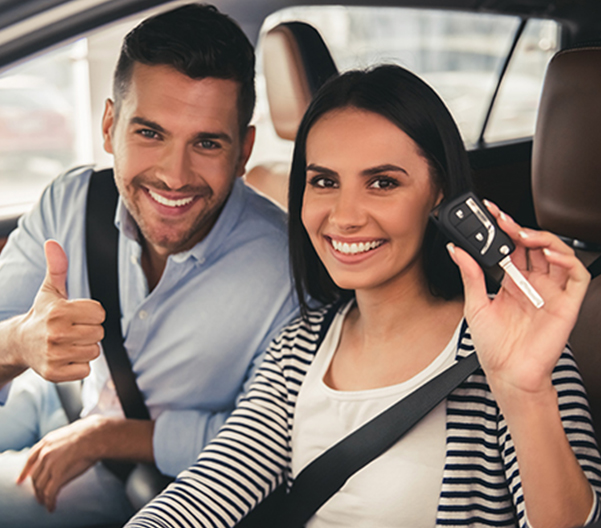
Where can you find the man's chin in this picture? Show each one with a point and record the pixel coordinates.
(169, 245)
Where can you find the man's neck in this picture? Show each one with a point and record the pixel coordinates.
(153, 265)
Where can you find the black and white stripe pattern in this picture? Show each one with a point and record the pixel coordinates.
(251, 455)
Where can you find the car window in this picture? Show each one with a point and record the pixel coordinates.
(514, 113)
(51, 106)
(460, 54)
(38, 110)
(50, 114)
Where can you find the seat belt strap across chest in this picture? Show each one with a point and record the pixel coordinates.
(102, 243)
(323, 477)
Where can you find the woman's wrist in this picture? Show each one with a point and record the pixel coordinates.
(516, 400)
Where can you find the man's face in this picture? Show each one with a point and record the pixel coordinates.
(177, 152)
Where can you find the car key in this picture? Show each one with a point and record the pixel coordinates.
(468, 223)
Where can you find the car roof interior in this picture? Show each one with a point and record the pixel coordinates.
(25, 27)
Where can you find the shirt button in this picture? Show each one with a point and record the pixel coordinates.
(134, 260)
(110, 384)
(143, 314)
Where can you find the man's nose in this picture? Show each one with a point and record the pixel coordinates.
(175, 167)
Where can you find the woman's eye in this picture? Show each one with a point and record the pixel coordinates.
(384, 183)
(321, 182)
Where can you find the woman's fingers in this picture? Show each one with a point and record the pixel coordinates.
(476, 296)
(507, 224)
(578, 277)
(542, 253)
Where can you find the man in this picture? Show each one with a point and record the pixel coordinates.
(203, 280)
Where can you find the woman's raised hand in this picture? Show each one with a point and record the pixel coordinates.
(518, 345)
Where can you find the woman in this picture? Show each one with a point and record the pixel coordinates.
(376, 151)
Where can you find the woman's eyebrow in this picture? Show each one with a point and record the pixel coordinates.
(318, 168)
(388, 167)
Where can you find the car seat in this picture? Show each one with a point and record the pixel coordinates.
(566, 186)
(296, 63)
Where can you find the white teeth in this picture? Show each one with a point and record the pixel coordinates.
(354, 248)
(169, 203)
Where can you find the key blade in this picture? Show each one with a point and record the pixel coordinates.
(521, 282)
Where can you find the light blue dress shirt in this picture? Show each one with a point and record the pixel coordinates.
(195, 340)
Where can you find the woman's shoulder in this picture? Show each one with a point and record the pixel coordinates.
(306, 332)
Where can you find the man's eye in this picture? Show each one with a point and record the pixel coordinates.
(384, 183)
(147, 133)
(321, 182)
(208, 144)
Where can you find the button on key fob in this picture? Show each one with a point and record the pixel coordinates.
(469, 225)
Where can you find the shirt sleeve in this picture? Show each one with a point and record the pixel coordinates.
(578, 425)
(238, 469)
(22, 262)
(4, 394)
(180, 435)
(22, 266)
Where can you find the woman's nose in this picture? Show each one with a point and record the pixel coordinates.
(348, 212)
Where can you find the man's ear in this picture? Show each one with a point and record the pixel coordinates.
(245, 151)
(108, 120)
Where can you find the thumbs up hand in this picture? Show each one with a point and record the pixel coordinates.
(58, 337)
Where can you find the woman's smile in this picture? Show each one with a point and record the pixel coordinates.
(347, 247)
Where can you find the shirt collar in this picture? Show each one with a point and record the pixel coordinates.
(227, 220)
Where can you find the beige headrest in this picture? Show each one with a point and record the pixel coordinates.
(296, 63)
(566, 158)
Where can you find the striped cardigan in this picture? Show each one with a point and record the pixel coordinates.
(251, 455)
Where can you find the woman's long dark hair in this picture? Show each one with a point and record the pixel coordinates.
(408, 102)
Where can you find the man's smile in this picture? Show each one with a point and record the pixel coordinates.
(170, 202)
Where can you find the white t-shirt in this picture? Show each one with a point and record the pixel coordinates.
(400, 488)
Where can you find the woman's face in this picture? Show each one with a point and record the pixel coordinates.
(367, 198)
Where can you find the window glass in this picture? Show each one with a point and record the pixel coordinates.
(50, 115)
(514, 112)
(459, 54)
(42, 106)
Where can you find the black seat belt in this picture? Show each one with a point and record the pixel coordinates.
(102, 240)
(594, 268)
(323, 477)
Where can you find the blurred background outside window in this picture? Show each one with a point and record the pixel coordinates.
(51, 106)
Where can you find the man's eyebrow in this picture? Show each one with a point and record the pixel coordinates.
(147, 123)
(214, 135)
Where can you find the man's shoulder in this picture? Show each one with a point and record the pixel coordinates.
(262, 211)
(70, 184)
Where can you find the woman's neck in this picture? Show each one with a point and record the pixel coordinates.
(388, 311)
(390, 336)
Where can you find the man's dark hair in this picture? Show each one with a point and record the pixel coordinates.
(196, 40)
(408, 102)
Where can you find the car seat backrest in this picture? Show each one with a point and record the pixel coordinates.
(566, 186)
(296, 62)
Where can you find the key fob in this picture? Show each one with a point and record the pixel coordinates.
(469, 225)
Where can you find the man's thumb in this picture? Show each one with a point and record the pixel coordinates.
(56, 267)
